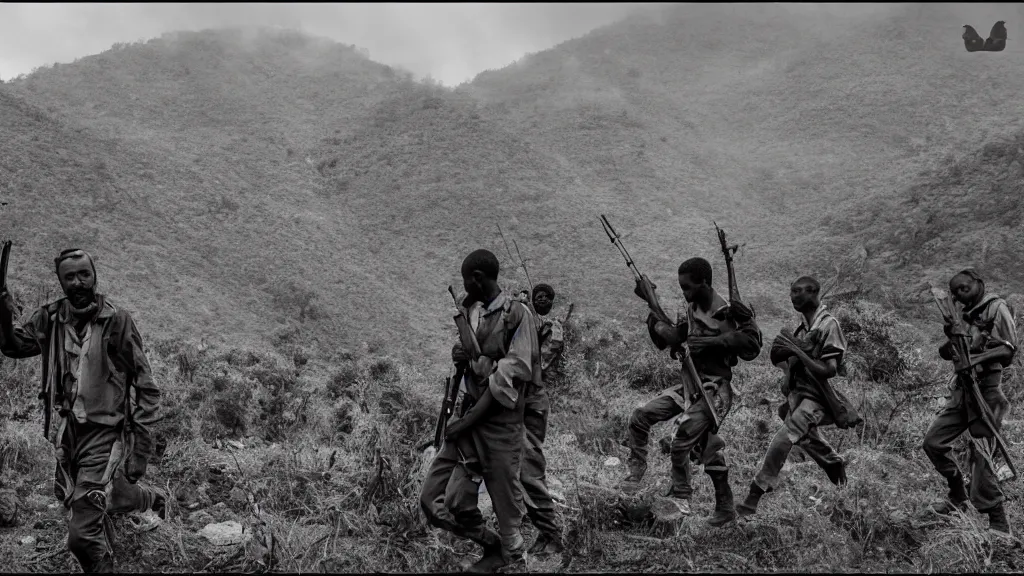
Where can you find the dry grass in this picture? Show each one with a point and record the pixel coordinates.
(332, 483)
(293, 202)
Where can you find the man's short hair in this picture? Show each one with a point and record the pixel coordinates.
(697, 268)
(810, 280)
(73, 254)
(482, 260)
(544, 288)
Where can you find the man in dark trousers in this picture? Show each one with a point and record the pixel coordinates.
(992, 335)
(92, 356)
(540, 507)
(815, 352)
(486, 442)
(717, 341)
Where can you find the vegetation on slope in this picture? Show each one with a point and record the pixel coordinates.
(309, 206)
(315, 458)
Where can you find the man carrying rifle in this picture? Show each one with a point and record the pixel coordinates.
(992, 341)
(551, 332)
(808, 357)
(717, 333)
(501, 359)
(92, 356)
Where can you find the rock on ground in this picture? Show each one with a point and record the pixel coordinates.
(8, 509)
(223, 534)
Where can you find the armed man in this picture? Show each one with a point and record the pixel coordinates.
(808, 357)
(499, 356)
(990, 341)
(540, 507)
(92, 356)
(552, 332)
(716, 334)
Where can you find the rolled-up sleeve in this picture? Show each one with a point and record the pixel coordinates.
(833, 341)
(523, 353)
(26, 339)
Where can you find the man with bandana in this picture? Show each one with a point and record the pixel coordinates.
(992, 336)
(92, 356)
(485, 443)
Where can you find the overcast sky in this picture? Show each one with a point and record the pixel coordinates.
(451, 42)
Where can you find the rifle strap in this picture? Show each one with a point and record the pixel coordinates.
(679, 400)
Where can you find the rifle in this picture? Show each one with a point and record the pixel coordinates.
(728, 251)
(5, 257)
(529, 301)
(451, 395)
(451, 386)
(965, 377)
(645, 289)
(44, 393)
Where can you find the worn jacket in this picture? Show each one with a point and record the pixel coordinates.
(110, 361)
(989, 324)
(736, 340)
(507, 333)
(550, 339)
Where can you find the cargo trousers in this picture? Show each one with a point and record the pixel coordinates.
(90, 466)
(799, 428)
(540, 506)
(958, 416)
(693, 437)
(450, 495)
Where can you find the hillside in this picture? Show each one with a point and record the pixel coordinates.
(779, 131)
(232, 199)
(344, 172)
(304, 208)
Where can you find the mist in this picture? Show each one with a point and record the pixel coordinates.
(449, 42)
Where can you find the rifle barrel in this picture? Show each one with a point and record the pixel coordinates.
(617, 241)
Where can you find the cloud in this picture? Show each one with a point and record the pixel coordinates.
(450, 42)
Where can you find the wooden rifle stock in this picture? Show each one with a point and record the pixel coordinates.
(466, 336)
(451, 396)
(728, 251)
(5, 256)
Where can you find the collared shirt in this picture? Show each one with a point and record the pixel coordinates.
(833, 342)
(829, 342)
(519, 363)
(715, 365)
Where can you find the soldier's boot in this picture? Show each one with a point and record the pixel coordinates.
(631, 483)
(749, 505)
(837, 473)
(491, 560)
(956, 500)
(546, 545)
(997, 519)
(725, 509)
